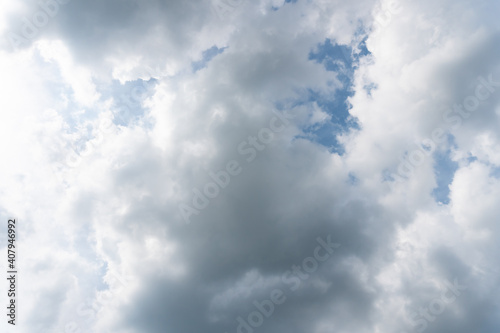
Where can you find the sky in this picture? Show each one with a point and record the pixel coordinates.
(237, 166)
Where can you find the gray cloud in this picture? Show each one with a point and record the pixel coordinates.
(116, 212)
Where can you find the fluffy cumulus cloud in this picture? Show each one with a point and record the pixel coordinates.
(251, 166)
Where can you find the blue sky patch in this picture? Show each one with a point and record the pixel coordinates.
(207, 55)
(444, 171)
(343, 60)
(128, 99)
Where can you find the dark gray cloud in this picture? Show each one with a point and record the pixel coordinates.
(110, 225)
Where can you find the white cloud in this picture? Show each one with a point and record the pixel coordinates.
(99, 200)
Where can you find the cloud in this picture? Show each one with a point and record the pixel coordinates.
(117, 112)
